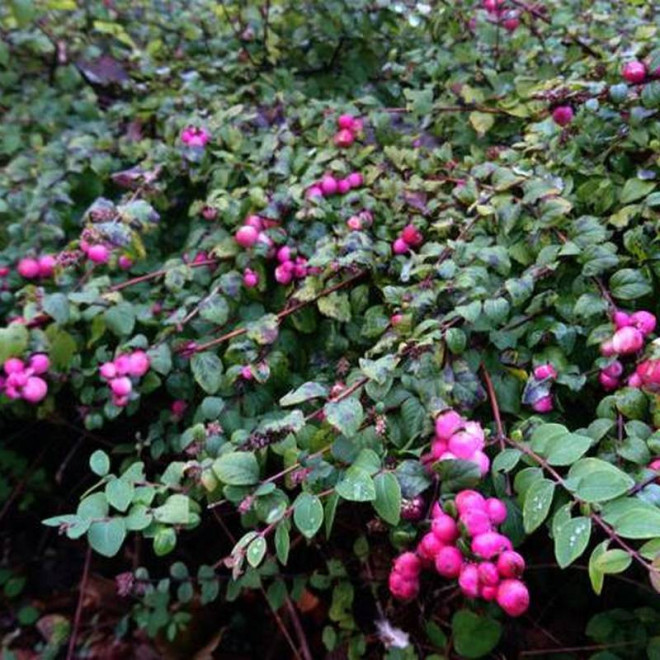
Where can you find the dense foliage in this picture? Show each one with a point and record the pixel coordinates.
(312, 312)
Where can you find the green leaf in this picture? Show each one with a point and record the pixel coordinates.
(120, 319)
(613, 561)
(214, 309)
(93, 506)
(346, 415)
(119, 493)
(106, 537)
(305, 392)
(474, 636)
(282, 542)
(544, 434)
(571, 540)
(379, 370)
(639, 523)
(482, 122)
(237, 468)
(175, 511)
(308, 514)
(164, 541)
(336, 306)
(629, 284)
(138, 518)
(388, 497)
(596, 576)
(256, 551)
(538, 500)
(595, 480)
(265, 330)
(457, 474)
(635, 189)
(56, 305)
(356, 485)
(99, 462)
(23, 11)
(567, 449)
(207, 369)
(13, 341)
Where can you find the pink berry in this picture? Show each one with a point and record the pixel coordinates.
(449, 562)
(139, 363)
(121, 386)
(313, 192)
(634, 381)
(488, 573)
(510, 564)
(513, 597)
(39, 363)
(511, 24)
(448, 423)
(344, 138)
(346, 122)
(34, 390)
(613, 370)
(544, 371)
(496, 510)
(395, 319)
(476, 522)
(354, 223)
(254, 221)
(429, 546)
(13, 366)
(108, 370)
(47, 264)
(284, 254)
(328, 185)
(607, 381)
(412, 236)
(621, 319)
(400, 246)
(28, 268)
(464, 443)
(444, 527)
(120, 401)
(544, 404)
(284, 273)
(4, 271)
(402, 588)
(489, 594)
(246, 236)
(436, 510)
(408, 565)
(250, 278)
(355, 180)
(634, 72)
(627, 340)
(122, 365)
(467, 500)
(125, 262)
(246, 372)
(18, 379)
(178, 407)
(655, 464)
(644, 321)
(607, 348)
(468, 580)
(343, 186)
(99, 254)
(490, 544)
(562, 115)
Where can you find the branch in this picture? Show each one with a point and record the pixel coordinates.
(70, 655)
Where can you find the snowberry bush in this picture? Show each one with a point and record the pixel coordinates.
(351, 305)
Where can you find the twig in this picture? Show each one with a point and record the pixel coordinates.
(302, 638)
(159, 273)
(76, 622)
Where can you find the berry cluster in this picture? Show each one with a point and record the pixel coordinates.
(540, 384)
(507, 18)
(631, 330)
(455, 437)
(40, 267)
(118, 374)
(290, 268)
(23, 381)
(469, 549)
(349, 128)
(330, 185)
(195, 137)
(409, 238)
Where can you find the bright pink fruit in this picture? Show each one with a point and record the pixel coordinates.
(607, 381)
(125, 262)
(314, 192)
(449, 561)
(634, 381)
(510, 24)
(120, 401)
(254, 221)
(496, 510)
(122, 364)
(355, 180)
(613, 370)
(488, 573)
(39, 363)
(328, 185)
(344, 138)
(408, 565)
(476, 521)
(644, 321)
(284, 254)
(607, 348)
(464, 443)
(544, 404)
(402, 588)
(444, 527)
(395, 319)
(47, 264)
(437, 510)
(139, 363)
(438, 449)
(490, 544)
(346, 122)
(13, 366)
(448, 423)
(621, 319)
(250, 278)
(655, 464)
(354, 223)
(562, 115)
(34, 390)
(489, 594)
(412, 236)
(400, 246)
(99, 254)
(28, 268)
(627, 340)
(343, 186)
(284, 272)
(468, 500)
(544, 371)
(513, 597)
(510, 564)
(121, 386)
(429, 546)
(108, 370)
(468, 580)
(246, 236)
(634, 72)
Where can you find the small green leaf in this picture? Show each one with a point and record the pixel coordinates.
(538, 500)
(597, 576)
(305, 392)
(99, 462)
(388, 497)
(308, 514)
(474, 636)
(282, 542)
(613, 561)
(256, 551)
(265, 330)
(571, 540)
(207, 369)
(175, 511)
(106, 537)
(346, 415)
(356, 485)
(119, 493)
(237, 468)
